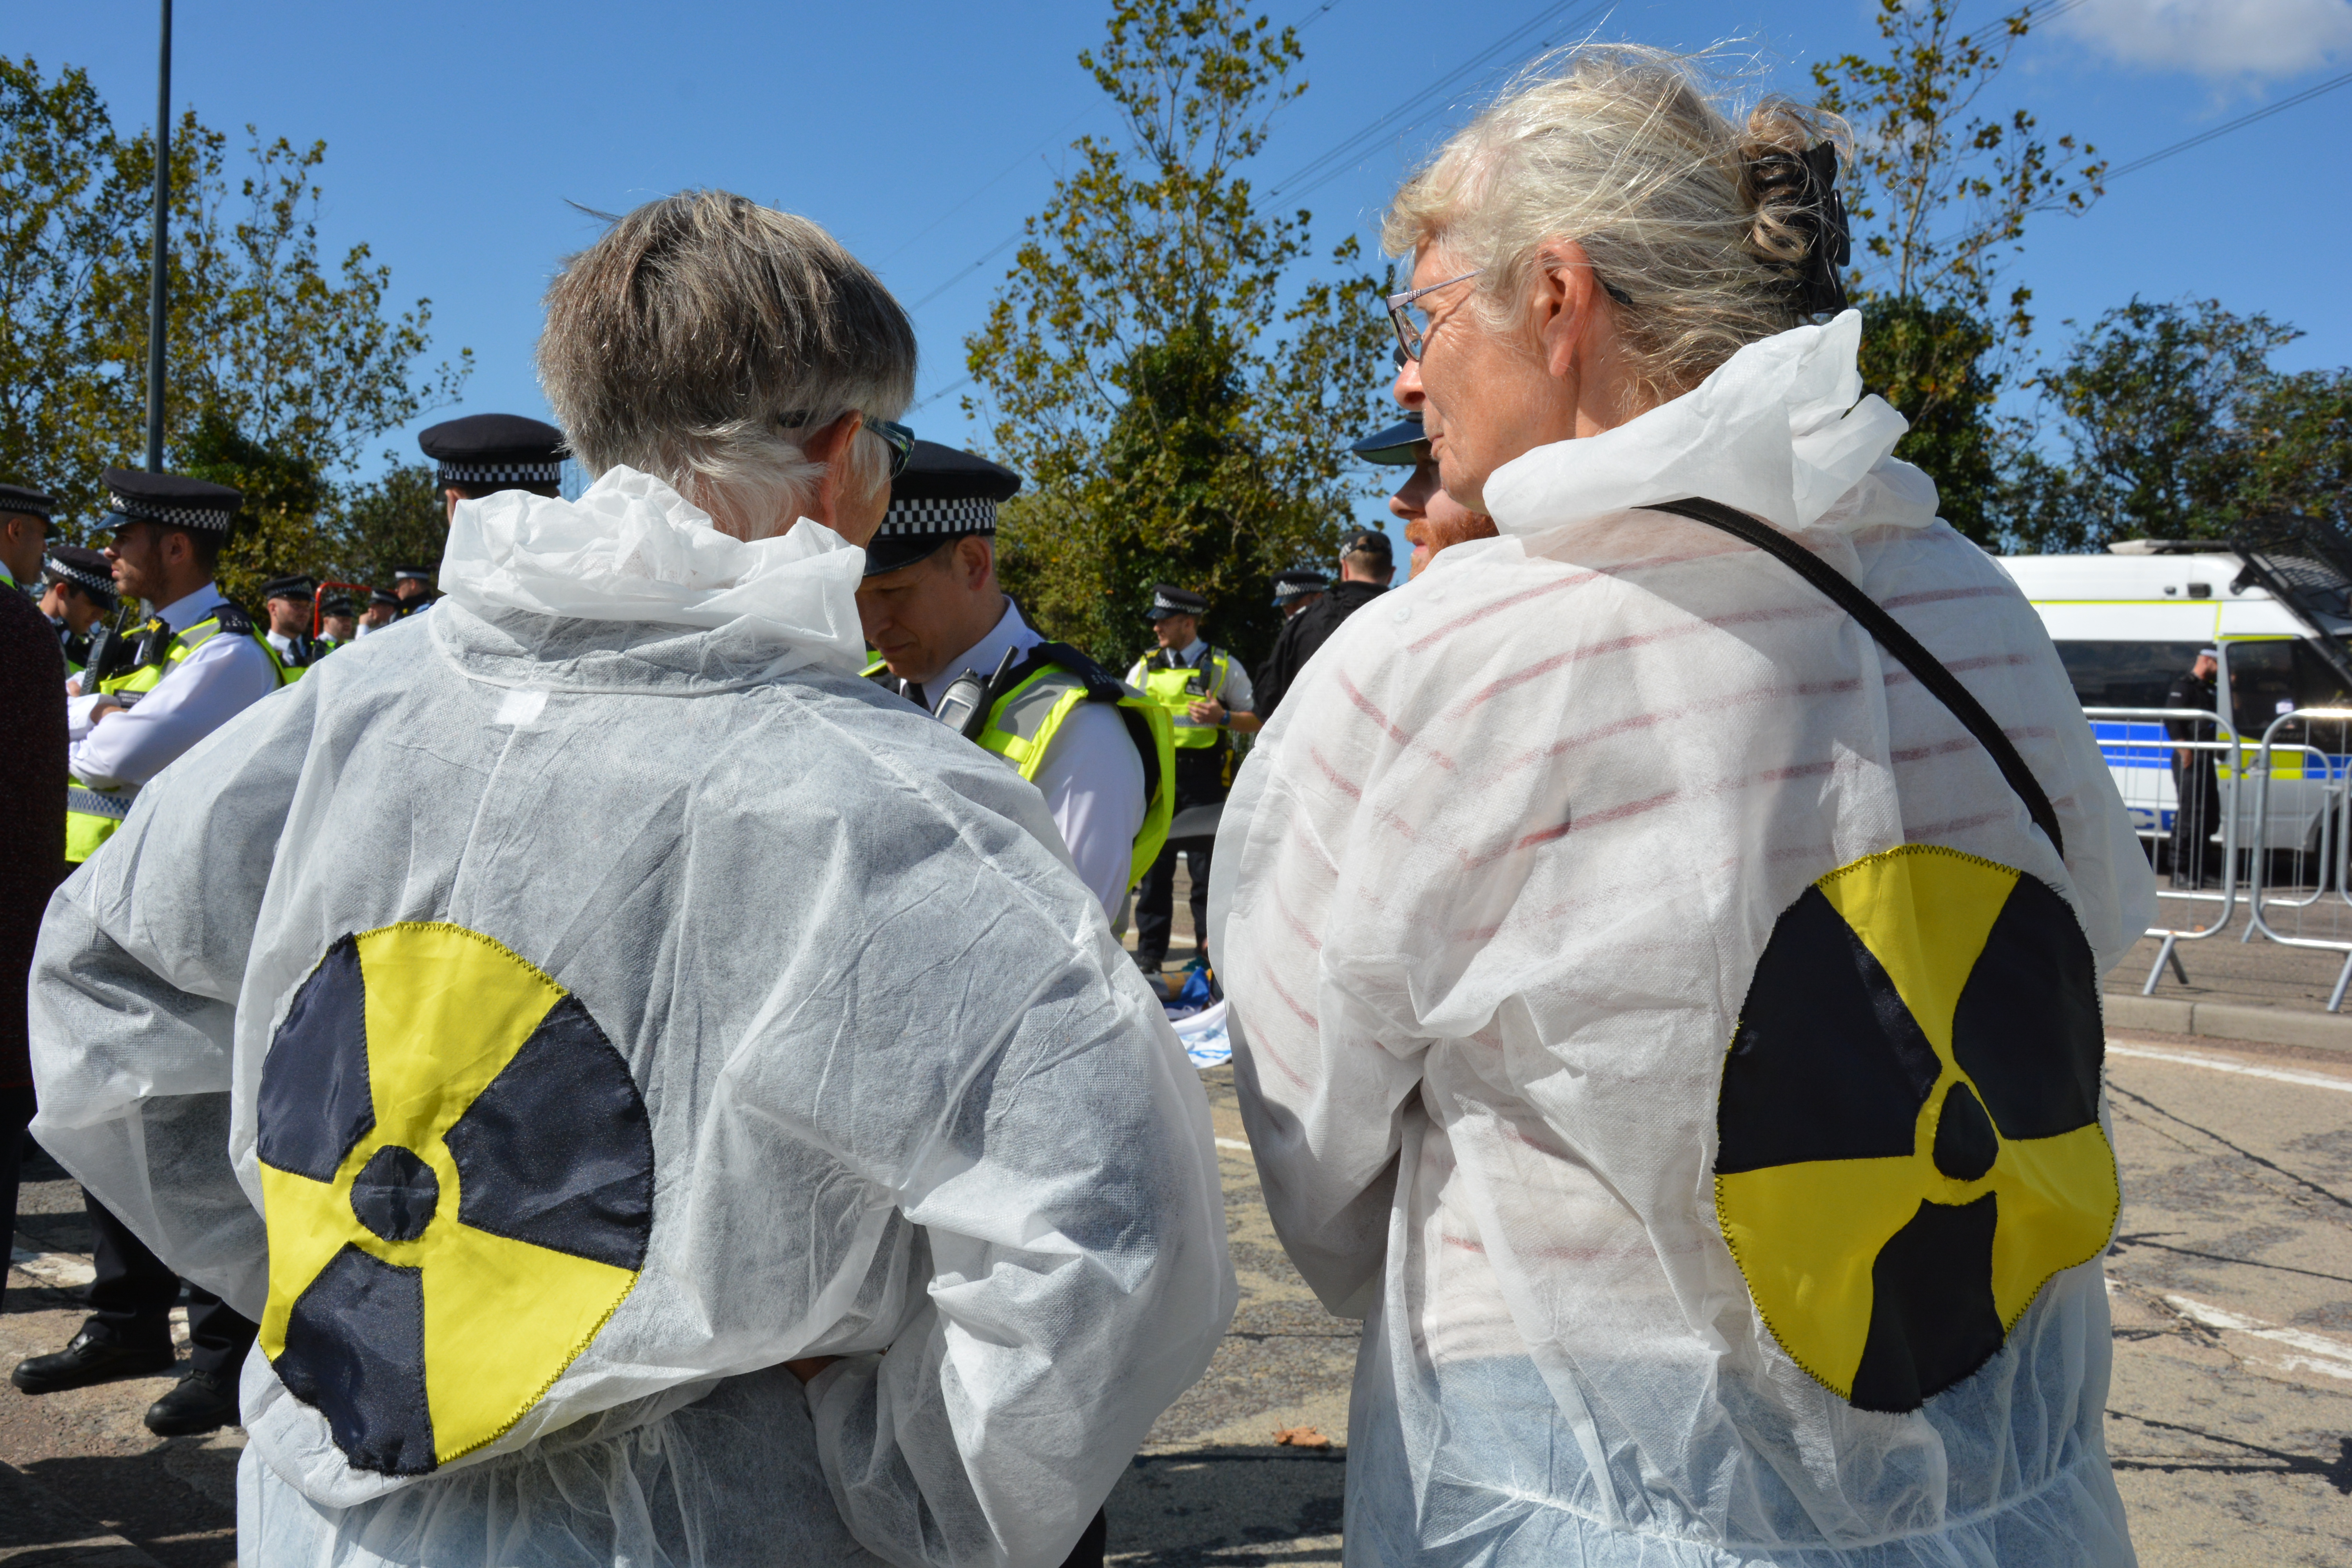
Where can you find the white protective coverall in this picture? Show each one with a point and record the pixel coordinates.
(1502, 869)
(849, 1065)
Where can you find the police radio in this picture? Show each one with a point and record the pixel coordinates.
(965, 708)
(112, 650)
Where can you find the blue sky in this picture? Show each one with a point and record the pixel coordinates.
(922, 134)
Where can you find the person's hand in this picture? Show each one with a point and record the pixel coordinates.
(104, 710)
(808, 1367)
(1208, 710)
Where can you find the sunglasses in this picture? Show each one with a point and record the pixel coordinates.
(897, 437)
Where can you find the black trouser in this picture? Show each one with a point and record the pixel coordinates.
(1155, 900)
(16, 1113)
(2196, 811)
(1088, 1552)
(132, 1297)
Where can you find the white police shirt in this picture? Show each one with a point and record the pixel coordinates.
(1091, 778)
(212, 685)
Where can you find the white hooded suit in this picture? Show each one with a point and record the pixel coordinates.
(1496, 884)
(607, 996)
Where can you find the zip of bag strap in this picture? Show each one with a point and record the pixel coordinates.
(1924, 665)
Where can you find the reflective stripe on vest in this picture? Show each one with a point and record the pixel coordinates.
(92, 815)
(1022, 726)
(1174, 692)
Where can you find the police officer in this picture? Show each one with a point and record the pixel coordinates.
(952, 640)
(80, 593)
(287, 601)
(1295, 589)
(196, 664)
(1207, 693)
(1367, 566)
(477, 456)
(2196, 781)
(412, 590)
(383, 609)
(24, 534)
(337, 624)
(483, 454)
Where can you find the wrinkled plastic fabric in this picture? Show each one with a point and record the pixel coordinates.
(1492, 889)
(910, 1104)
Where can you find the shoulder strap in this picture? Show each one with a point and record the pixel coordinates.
(1101, 687)
(1923, 665)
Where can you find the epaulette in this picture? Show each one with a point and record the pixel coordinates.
(232, 618)
(1102, 686)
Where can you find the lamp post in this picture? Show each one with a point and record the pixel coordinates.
(159, 287)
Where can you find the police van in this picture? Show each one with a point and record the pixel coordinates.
(2129, 622)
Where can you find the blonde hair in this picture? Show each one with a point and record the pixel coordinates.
(1687, 219)
(680, 341)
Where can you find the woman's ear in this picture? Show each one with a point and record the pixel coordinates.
(1563, 304)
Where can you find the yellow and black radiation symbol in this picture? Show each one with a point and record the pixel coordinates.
(1908, 1136)
(457, 1176)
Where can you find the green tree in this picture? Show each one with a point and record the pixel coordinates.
(2162, 407)
(1178, 396)
(1941, 189)
(1930, 363)
(279, 362)
(396, 518)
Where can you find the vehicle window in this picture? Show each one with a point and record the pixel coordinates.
(2267, 678)
(2126, 674)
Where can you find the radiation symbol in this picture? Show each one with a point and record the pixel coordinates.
(456, 1175)
(1909, 1137)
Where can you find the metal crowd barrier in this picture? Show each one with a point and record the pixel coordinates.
(2318, 914)
(2138, 749)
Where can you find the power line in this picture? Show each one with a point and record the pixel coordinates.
(1335, 160)
(2283, 104)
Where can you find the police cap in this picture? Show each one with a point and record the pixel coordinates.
(384, 598)
(424, 574)
(1297, 584)
(85, 569)
(171, 500)
(288, 588)
(335, 605)
(494, 449)
(1166, 599)
(1401, 445)
(943, 494)
(1369, 541)
(27, 502)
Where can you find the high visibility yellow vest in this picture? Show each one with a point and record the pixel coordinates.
(1048, 688)
(92, 814)
(1175, 691)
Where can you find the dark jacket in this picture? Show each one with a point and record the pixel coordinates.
(1304, 632)
(33, 779)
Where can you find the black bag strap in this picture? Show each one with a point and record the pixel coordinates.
(1923, 665)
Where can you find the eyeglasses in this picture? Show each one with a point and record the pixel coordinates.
(900, 439)
(1412, 322)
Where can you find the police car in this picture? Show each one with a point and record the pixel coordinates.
(2129, 622)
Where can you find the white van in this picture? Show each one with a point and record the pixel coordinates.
(2129, 622)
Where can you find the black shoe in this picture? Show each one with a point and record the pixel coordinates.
(204, 1402)
(1152, 963)
(87, 1360)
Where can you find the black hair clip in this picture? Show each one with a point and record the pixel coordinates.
(1818, 215)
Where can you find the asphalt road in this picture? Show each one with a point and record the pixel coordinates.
(2229, 1418)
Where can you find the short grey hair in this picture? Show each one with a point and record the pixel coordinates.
(683, 342)
(1620, 148)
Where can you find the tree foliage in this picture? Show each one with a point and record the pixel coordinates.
(1930, 363)
(1177, 395)
(2178, 427)
(1942, 188)
(281, 365)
